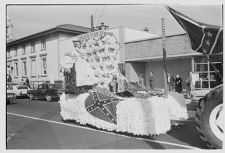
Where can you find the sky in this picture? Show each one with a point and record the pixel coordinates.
(30, 19)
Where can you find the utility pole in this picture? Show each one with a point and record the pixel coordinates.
(92, 23)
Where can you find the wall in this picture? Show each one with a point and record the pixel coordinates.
(152, 48)
(181, 66)
(134, 69)
(51, 52)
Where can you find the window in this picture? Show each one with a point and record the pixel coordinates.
(207, 76)
(16, 52)
(33, 67)
(23, 50)
(43, 44)
(16, 69)
(24, 70)
(32, 47)
(44, 65)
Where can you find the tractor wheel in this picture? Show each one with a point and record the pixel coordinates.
(209, 119)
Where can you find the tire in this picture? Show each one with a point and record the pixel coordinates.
(31, 97)
(207, 106)
(48, 98)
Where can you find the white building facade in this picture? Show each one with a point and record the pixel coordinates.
(37, 56)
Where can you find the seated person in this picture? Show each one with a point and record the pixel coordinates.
(113, 85)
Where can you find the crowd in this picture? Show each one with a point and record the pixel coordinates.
(174, 84)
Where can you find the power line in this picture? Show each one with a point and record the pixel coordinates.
(100, 16)
(96, 9)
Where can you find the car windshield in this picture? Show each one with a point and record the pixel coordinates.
(51, 86)
(9, 87)
(22, 87)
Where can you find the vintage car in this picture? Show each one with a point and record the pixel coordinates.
(18, 90)
(43, 91)
(10, 96)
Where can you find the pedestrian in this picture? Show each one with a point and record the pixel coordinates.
(170, 81)
(22, 82)
(188, 82)
(10, 78)
(113, 85)
(141, 81)
(178, 84)
(27, 82)
(151, 80)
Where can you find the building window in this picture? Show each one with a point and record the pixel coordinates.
(23, 50)
(16, 69)
(43, 44)
(44, 65)
(32, 47)
(16, 53)
(24, 70)
(207, 75)
(33, 67)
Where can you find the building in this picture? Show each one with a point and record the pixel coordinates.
(145, 56)
(37, 56)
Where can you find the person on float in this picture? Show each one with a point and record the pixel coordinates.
(113, 85)
(84, 73)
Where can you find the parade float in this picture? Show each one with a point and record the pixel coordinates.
(88, 70)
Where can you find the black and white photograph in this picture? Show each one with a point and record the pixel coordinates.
(112, 76)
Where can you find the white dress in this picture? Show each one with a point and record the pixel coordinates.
(85, 75)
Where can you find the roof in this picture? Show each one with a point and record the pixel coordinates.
(134, 35)
(151, 49)
(74, 27)
(67, 28)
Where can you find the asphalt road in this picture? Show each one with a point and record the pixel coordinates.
(38, 125)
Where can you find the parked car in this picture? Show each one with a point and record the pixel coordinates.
(43, 91)
(18, 90)
(10, 96)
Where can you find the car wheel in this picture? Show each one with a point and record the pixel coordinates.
(48, 98)
(31, 97)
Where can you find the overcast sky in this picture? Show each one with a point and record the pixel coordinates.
(30, 19)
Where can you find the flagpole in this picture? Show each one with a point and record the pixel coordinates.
(164, 59)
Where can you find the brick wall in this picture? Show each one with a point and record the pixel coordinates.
(151, 48)
(181, 66)
(134, 69)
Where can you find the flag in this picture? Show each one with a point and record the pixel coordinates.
(102, 106)
(204, 38)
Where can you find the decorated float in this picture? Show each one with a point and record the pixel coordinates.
(88, 73)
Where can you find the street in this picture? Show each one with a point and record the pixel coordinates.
(37, 124)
